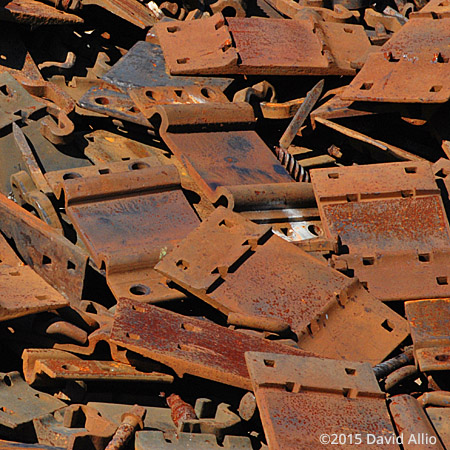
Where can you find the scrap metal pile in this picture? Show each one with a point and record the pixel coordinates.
(224, 224)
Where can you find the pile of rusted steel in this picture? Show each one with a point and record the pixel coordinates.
(224, 224)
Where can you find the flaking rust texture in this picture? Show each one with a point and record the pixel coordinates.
(224, 224)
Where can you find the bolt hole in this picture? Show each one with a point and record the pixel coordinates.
(5, 90)
(366, 86)
(182, 61)
(138, 165)
(104, 171)
(182, 264)
(333, 175)
(229, 11)
(226, 223)
(7, 380)
(441, 281)
(368, 261)
(41, 297)
(71, 175)
(269, 363)
(411, 169)
(387, 326)
(178, 93)
(139, 289)
(173, 29)
(314, 229)
(46, 260)
(70, 265)
(442, 358)
(206, 92)
(436, 88)
(350, 371)
(424, 257)
(102, 101)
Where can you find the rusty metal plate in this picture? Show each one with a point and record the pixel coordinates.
(129, 10)
(254, 46)
(387, 216)
(156, 440)
(220, 158)
(155, 418)
(128, 221)
(440, 418)
(301, 398)
(188, 345)
(144, 66)
(436, 9)
(35, 13)
(44, 249)
(40, 365)
(104, 147)
(214, 54)
(412, 424)
(21, 403)
(15, 102)
(261, 276)
(74, 427)
(24, 292)
(385, 78)
(417, 55)
(8, 445)
(428, 321)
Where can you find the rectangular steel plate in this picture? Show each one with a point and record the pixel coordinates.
(412, 67)
(188, 345)
(387, 216)
(259, 46)
(245, 273)
(128, 220)
(428, 321)
(300, 399)
(220, 158)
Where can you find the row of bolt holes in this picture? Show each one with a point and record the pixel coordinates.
(38, 297)
(155, 96)
(367, 86)
(295, 387)
(139, 165)
(136, 289)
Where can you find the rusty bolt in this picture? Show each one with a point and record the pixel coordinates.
(181, 410)
(335, 151)
(130, 421)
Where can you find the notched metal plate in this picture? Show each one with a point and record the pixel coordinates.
(189, 345)
(428, 321)
(301, 398)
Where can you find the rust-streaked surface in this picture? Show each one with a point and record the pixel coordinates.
(302, 398)
(417, 55)
(387, 216)
(440, 418)
(220, 158)
(261, 46)
(188, 345)
(129, 220)
(413, 424)
(58, 365)
(44, 249)
(246, 280)
(428, 322)
(35, 13)
(24, 292)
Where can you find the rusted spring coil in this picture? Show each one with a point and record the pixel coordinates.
(297, 172)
